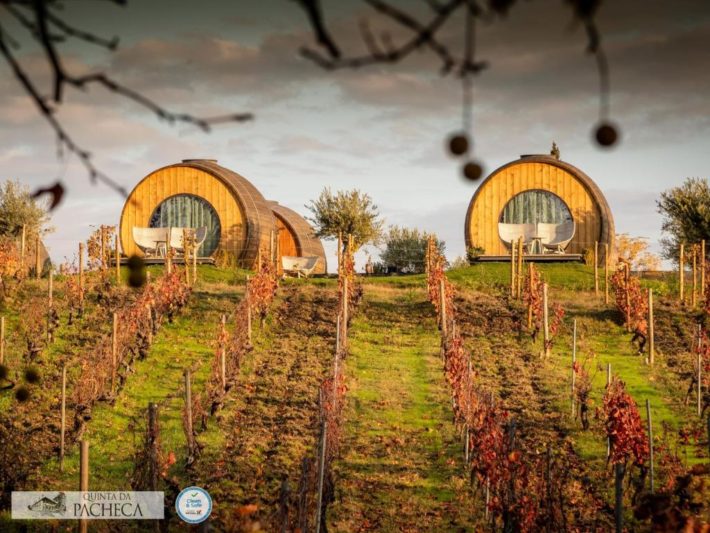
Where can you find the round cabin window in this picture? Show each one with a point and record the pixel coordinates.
(189, 211)
(536, 206)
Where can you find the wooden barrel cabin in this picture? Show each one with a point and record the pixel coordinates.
(297, 238)
(199, 193)
(555, 207)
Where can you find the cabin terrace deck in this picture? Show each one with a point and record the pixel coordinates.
(161, 261)
(536, 258)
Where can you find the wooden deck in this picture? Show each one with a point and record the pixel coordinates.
(536, 258)
(176, 261)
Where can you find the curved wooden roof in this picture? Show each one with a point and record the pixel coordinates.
(308, 244)
(607, 232)
(259, 220)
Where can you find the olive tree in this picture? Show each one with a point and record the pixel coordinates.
(686, 215)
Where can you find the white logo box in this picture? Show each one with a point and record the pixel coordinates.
(93, 505)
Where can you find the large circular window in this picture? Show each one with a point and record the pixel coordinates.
(535, 206)
(189, 211)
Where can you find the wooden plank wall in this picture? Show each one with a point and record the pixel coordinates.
(498, 190)
(170, 181)
(287, 240)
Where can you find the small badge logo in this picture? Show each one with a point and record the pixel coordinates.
(49, 506)
(193, 505)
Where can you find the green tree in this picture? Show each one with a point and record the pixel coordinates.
(18, 208)
(346, 213)
(686, 212)
(405, 249)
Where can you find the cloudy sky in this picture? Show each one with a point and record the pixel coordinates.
(380, 129)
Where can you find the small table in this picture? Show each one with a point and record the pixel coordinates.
(161, 248)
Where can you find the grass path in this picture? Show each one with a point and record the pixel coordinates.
(186, 342)
(401, 468)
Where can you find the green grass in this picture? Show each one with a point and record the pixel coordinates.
(401, 464)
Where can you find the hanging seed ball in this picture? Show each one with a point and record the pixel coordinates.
(32, 375)
(458, 144)
(4, 372)
(136, 271)
(606, 134)
(472, 170)
(22, 394)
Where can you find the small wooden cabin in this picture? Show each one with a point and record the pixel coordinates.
(296, 237)
(544, 194)
(199, 193)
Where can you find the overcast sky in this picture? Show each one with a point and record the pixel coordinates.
(379, 129)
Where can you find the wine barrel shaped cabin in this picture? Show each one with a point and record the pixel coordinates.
(556, 209)
(296, 237)
(198, 193)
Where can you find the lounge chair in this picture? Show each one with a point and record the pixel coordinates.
(556, 237)
(150, 240)
(299, 265)
(510, 233)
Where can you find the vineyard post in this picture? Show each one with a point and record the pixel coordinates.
(114, 353)
(150, 323)
(271, 248)
(188, 418)
(50, 302)
(700, 383)
(694, 297)
(466, 445)
(488, 494)
(258, 259)
(63, 423)
(513, 264)
(84, 478)
(186, 255)
(37, 265)
(2, 339)
(23, 245)
(681, 272)
(246, 292)
(627, 275)
(194, 259)
(520, 269)
(321, 474)
(103, 247)
(546, 319)
(442, 308)
(651, 329)
(223, 354)
(702, 268)
(606, 273)
(650, 441)
(153, 436)
(426, 255)
(340, 251)
(81, 268)
(574, 359)
(117, 259)
(337, 336)
(596, 268)
(168, 252)
(344, 323)
(619, 492)
(608, 382)
(530, 309)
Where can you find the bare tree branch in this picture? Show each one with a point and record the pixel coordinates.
(323, 38)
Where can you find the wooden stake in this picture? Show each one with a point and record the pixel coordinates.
(258, 259)
(117, 260)
(619, 493)
(188, 417)
(272, 248)
(169, 251)
(340, 251)
(546, 319)
(23, 245)
(650, 440)
(574, 360)
(513, 264)
(63, 422)
(608, 382)
(103, 247)
(694, 297)
(606, 273)
(519, 293)
(345, 313)
(530, 309)
(248, 311)
(651, 329)
(194, 260)
(153, 440)
(442, 308)
(186, 255)
(2, 340)
(700, 383)
(84, 479)
(321, 475)
(596, 268)
(114, 353)
(627, 276)
(81, 266)
(223, 356)
(681, 273)
(702, 269)
(38, 269)
(50, 288)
